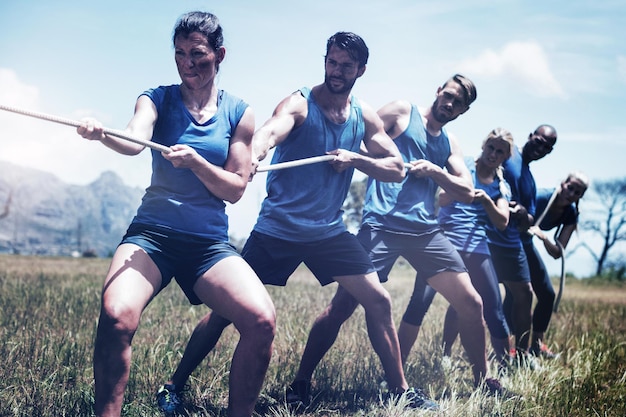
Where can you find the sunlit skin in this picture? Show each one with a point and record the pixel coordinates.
(540, 143)
(572, 190)
(495, 152)
(449, 104)
(197, 62)
(341, 71)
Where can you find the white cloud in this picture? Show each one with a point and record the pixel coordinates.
(14, 93)
(525, 63)
(56, 148)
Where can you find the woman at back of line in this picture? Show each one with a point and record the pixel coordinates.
(562, 215)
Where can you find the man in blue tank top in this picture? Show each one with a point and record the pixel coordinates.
(399, 220)
(301, 218)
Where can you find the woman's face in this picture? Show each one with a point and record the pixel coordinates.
(495, 152)
(196, 60)
(572, 190)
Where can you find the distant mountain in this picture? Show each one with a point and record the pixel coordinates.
(39, 214)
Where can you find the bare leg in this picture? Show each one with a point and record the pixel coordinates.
(246, 303)
(324, 332)
(450, 331)
(131, 282)
(407, 335)
(203, 339)
(370, 293)
(465, 300)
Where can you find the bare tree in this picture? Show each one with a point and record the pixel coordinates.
(605, 216)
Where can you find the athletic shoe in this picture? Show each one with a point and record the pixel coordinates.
(418, 399)
(494, 388)
(541, 350)
(298, 394)
(168, 399)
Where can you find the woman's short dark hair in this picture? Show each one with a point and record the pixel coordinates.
(202, 22)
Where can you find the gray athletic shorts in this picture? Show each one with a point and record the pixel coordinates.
(274, 260)
(429, 253)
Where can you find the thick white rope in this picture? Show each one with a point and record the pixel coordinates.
(75, 123)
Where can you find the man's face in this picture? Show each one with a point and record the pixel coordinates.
(449, 103)
(539, 144)
(342, 71)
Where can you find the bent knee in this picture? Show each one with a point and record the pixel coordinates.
(471, 307)
(380, 304)
(261, 326)
(118, 318)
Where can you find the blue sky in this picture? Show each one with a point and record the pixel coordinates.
(559, 62)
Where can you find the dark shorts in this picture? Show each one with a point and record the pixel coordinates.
(510, 264)
(274, 260)
(430, 254)
(183, 256)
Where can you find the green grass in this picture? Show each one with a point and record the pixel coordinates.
(49, 309)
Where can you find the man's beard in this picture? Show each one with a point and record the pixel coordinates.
(347, 85)
(440, 116)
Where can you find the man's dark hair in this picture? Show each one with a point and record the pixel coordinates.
(351, 43)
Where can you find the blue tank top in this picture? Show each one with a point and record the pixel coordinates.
(465, 224)
(568, 217)
(408, 206)
(176, 199)
(303, 204)
(523, 190)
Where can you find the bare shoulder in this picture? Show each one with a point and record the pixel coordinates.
(293, 106)
(396, 108)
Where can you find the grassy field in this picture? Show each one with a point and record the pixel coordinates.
(48, 314)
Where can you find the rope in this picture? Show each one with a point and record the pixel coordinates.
(75, 123)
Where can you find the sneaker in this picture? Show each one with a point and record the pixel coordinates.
(298, 394)
(418, 399)
(541, 350)
(168, 399)
(494, 388)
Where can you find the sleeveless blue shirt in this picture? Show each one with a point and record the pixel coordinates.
(568, 217)
(176, 199)
(408, 206)
(303, 204)
(523, 190)
(465, 224)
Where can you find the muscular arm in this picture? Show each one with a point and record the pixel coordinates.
(379, 157)
(290, 112)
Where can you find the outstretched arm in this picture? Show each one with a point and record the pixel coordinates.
(140, 126)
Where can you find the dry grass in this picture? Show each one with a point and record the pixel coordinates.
(48, 313)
